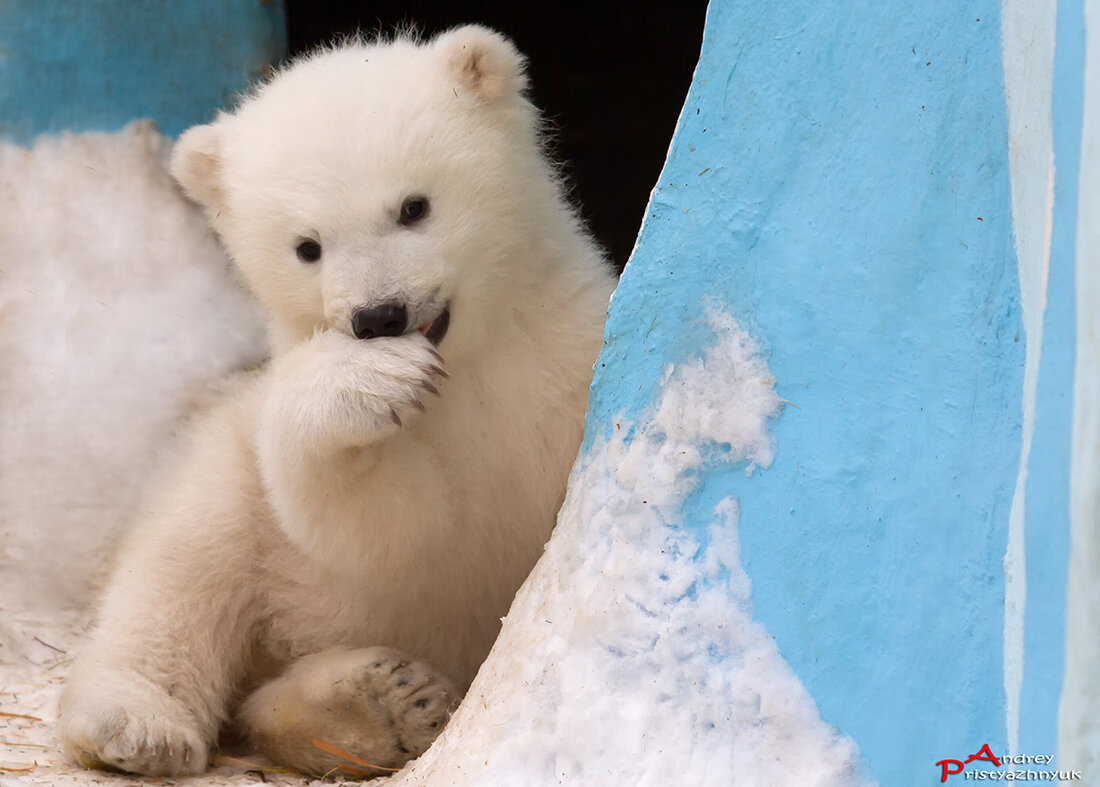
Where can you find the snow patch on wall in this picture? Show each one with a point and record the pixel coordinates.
(118, 313)
(630, 656)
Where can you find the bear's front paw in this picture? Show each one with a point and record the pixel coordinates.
(334, 388)
(391, 378)
(125, 729)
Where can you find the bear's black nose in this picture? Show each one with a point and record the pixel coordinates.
(389, 319)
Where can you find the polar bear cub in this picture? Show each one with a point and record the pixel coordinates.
(343, 532)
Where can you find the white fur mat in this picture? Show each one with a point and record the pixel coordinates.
(118, 313)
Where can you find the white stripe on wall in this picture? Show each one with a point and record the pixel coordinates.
(1079, 724)
(1028, 40)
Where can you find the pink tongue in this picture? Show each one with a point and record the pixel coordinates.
(425, 328)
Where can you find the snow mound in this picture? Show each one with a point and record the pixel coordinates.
(630, 656)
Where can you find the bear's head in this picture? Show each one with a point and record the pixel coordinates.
(379, 188)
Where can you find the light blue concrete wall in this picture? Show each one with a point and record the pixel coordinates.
(840, 178)
(96, 65)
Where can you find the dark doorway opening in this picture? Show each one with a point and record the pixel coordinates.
(611, 76)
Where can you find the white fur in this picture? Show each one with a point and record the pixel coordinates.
(118, 313)
(332, 501)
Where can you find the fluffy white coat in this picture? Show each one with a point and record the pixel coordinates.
(357, 493)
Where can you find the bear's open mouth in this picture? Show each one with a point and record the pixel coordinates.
(435, 331)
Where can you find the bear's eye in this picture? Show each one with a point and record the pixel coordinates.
(413, 210)
(309, 250)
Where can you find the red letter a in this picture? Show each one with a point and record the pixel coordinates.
(985, 754)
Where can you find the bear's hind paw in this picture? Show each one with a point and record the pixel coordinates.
(373, 704)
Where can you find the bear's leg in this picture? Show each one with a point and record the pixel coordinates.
(150, 691)
(176, 630)
(372, 703)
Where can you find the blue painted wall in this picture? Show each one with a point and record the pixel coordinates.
(96, 65)
(839, 177)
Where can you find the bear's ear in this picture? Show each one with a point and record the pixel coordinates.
(482, 61)
(196, 165)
